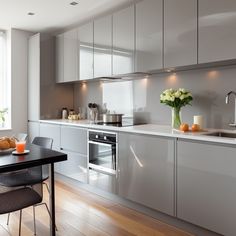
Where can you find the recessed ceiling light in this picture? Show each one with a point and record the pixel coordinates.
(73, 3)
(31, 13)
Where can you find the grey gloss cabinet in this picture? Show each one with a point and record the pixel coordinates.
(52, 131)
(206, 185)
(74, 144)
(217, 30)
(123, 41)
(60, 58)
(85, 65)
(180, 32)
(34, 78)
(103, 46)
(146, 170)
(149, 35)
(70, 56)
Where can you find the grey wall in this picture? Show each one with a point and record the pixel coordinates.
(209, 88)
(52, 96)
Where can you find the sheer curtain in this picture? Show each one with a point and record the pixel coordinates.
(4, 85)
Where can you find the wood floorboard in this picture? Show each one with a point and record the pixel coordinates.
(81, 213)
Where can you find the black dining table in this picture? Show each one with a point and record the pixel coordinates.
(37, 156)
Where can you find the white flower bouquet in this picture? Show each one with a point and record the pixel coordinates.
(176, 99)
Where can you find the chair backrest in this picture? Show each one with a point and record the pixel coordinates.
(43, 142)
(20, 136)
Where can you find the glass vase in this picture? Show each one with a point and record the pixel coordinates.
(176, 119)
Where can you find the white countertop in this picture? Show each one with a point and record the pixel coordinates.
(149, 129)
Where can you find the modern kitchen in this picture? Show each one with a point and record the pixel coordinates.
(137, 99)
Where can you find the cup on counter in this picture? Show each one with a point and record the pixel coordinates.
(198, 119)
(20, 146)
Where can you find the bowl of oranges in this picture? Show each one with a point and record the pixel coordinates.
(184, 127)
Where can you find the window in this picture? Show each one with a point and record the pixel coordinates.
(4, 84)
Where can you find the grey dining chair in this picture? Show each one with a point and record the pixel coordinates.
(14, 199)
(19, 178)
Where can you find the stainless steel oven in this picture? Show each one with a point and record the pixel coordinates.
(102, 159)
(103, 151)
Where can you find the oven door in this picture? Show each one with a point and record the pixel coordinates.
(103, 157)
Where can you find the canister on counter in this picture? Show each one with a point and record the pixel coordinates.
(64, 113)
(198, 119)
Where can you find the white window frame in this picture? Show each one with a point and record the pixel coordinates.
(5, 83)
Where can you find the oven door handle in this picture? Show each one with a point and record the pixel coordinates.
(100, 143)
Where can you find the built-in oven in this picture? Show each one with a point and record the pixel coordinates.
(102, 159)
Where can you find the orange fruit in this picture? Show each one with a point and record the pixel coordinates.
(195, 127)
(184, 127)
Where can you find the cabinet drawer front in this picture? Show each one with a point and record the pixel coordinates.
(74, 139)
(75, 167)
(51, 131)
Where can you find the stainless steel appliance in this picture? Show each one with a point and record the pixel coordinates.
(112, 118)
(103, 159)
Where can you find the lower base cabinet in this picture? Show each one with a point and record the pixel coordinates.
(75, 167)
(102, 181)
(206, 185)
(33, 130)
(146, 170)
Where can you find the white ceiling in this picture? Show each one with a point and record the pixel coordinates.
(52, 15)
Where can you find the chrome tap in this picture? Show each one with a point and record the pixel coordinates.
(227, 101)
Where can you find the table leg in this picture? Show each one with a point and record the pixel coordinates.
(52, 200)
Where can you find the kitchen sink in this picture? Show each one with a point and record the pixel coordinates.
(222, 134)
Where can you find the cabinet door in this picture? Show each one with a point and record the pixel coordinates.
(71, 55)
(85, 37)
(146, 171)
(33, 130)
(54, 132)
(217, 30)
(34, 78)
(74, 139)
(123, 41)
(149, 36)
(206, 186)
(180, 33)
(51, 131)
(102, 46)
(75, 167)
(60, 58)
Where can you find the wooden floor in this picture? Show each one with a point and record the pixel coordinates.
(82, 213)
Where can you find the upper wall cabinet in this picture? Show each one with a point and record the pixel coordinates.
(60, 58)
(123, 41)
(70, 56)
(217, 30)
(180, 32)
(34, 78)
(85, 36)
(102, 46)
(149, 37)
(67, 56)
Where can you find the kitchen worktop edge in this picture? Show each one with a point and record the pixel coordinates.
(149, 129)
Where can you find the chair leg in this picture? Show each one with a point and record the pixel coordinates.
(46, 186)
(34, 220)
(8, 218)
(20, 222)
(49, 213)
